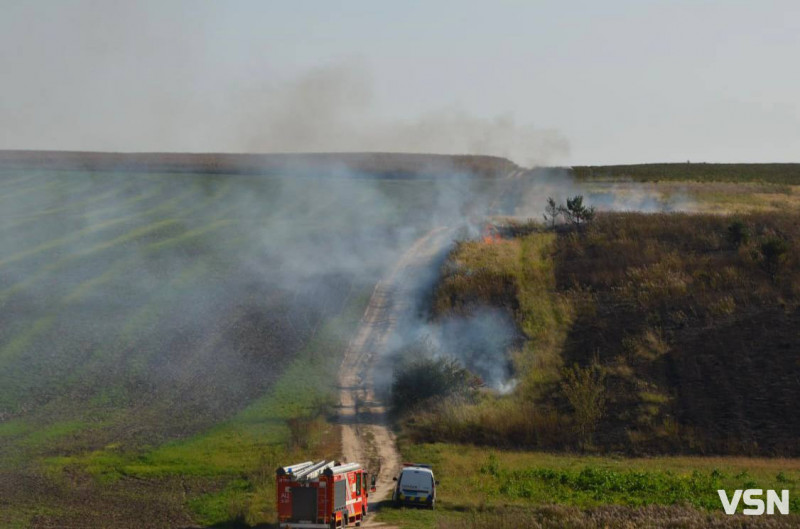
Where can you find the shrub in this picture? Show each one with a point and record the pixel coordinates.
(551, 212)
(738, 234)
(423, 378)
(773, 253)
(585, 390)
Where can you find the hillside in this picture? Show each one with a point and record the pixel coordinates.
(685, 325)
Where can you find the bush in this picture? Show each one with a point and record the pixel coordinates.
(585, 390)
(773, 253)
(738, 234)
(423, 379)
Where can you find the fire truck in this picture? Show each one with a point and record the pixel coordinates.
(322, 495)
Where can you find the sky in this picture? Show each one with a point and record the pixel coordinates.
(565, 83)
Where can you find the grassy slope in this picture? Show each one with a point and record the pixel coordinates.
(686, 327)
(693, 332)
(574, 291)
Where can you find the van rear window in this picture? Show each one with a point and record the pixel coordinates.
(416, 480)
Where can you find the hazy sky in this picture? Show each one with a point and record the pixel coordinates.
(542, 82)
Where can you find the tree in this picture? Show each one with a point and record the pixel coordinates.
(551, 212)
(585, 390)
(576, 212)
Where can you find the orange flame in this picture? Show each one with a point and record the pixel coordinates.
(490, 235)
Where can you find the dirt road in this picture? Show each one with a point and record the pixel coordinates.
(366, 436)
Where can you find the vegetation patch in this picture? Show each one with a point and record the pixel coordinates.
(513, 488)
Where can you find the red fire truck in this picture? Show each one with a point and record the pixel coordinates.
(322, 495)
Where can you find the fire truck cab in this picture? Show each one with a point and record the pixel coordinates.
(322, 495)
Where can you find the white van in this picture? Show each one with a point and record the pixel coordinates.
(415, 486)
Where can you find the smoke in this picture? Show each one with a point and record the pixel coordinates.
(534, 187)
(93, 76)
(480, 341)
(333, 109)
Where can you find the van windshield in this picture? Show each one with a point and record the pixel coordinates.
(416, 480)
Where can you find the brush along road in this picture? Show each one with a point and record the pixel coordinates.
(366, 436)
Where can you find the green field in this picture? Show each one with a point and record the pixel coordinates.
(482, 487)
(167, 339)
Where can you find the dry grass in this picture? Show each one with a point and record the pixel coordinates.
(693, 331)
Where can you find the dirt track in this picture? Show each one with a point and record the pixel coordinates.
(366, 436)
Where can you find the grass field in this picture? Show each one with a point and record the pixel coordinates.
(480, 487)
